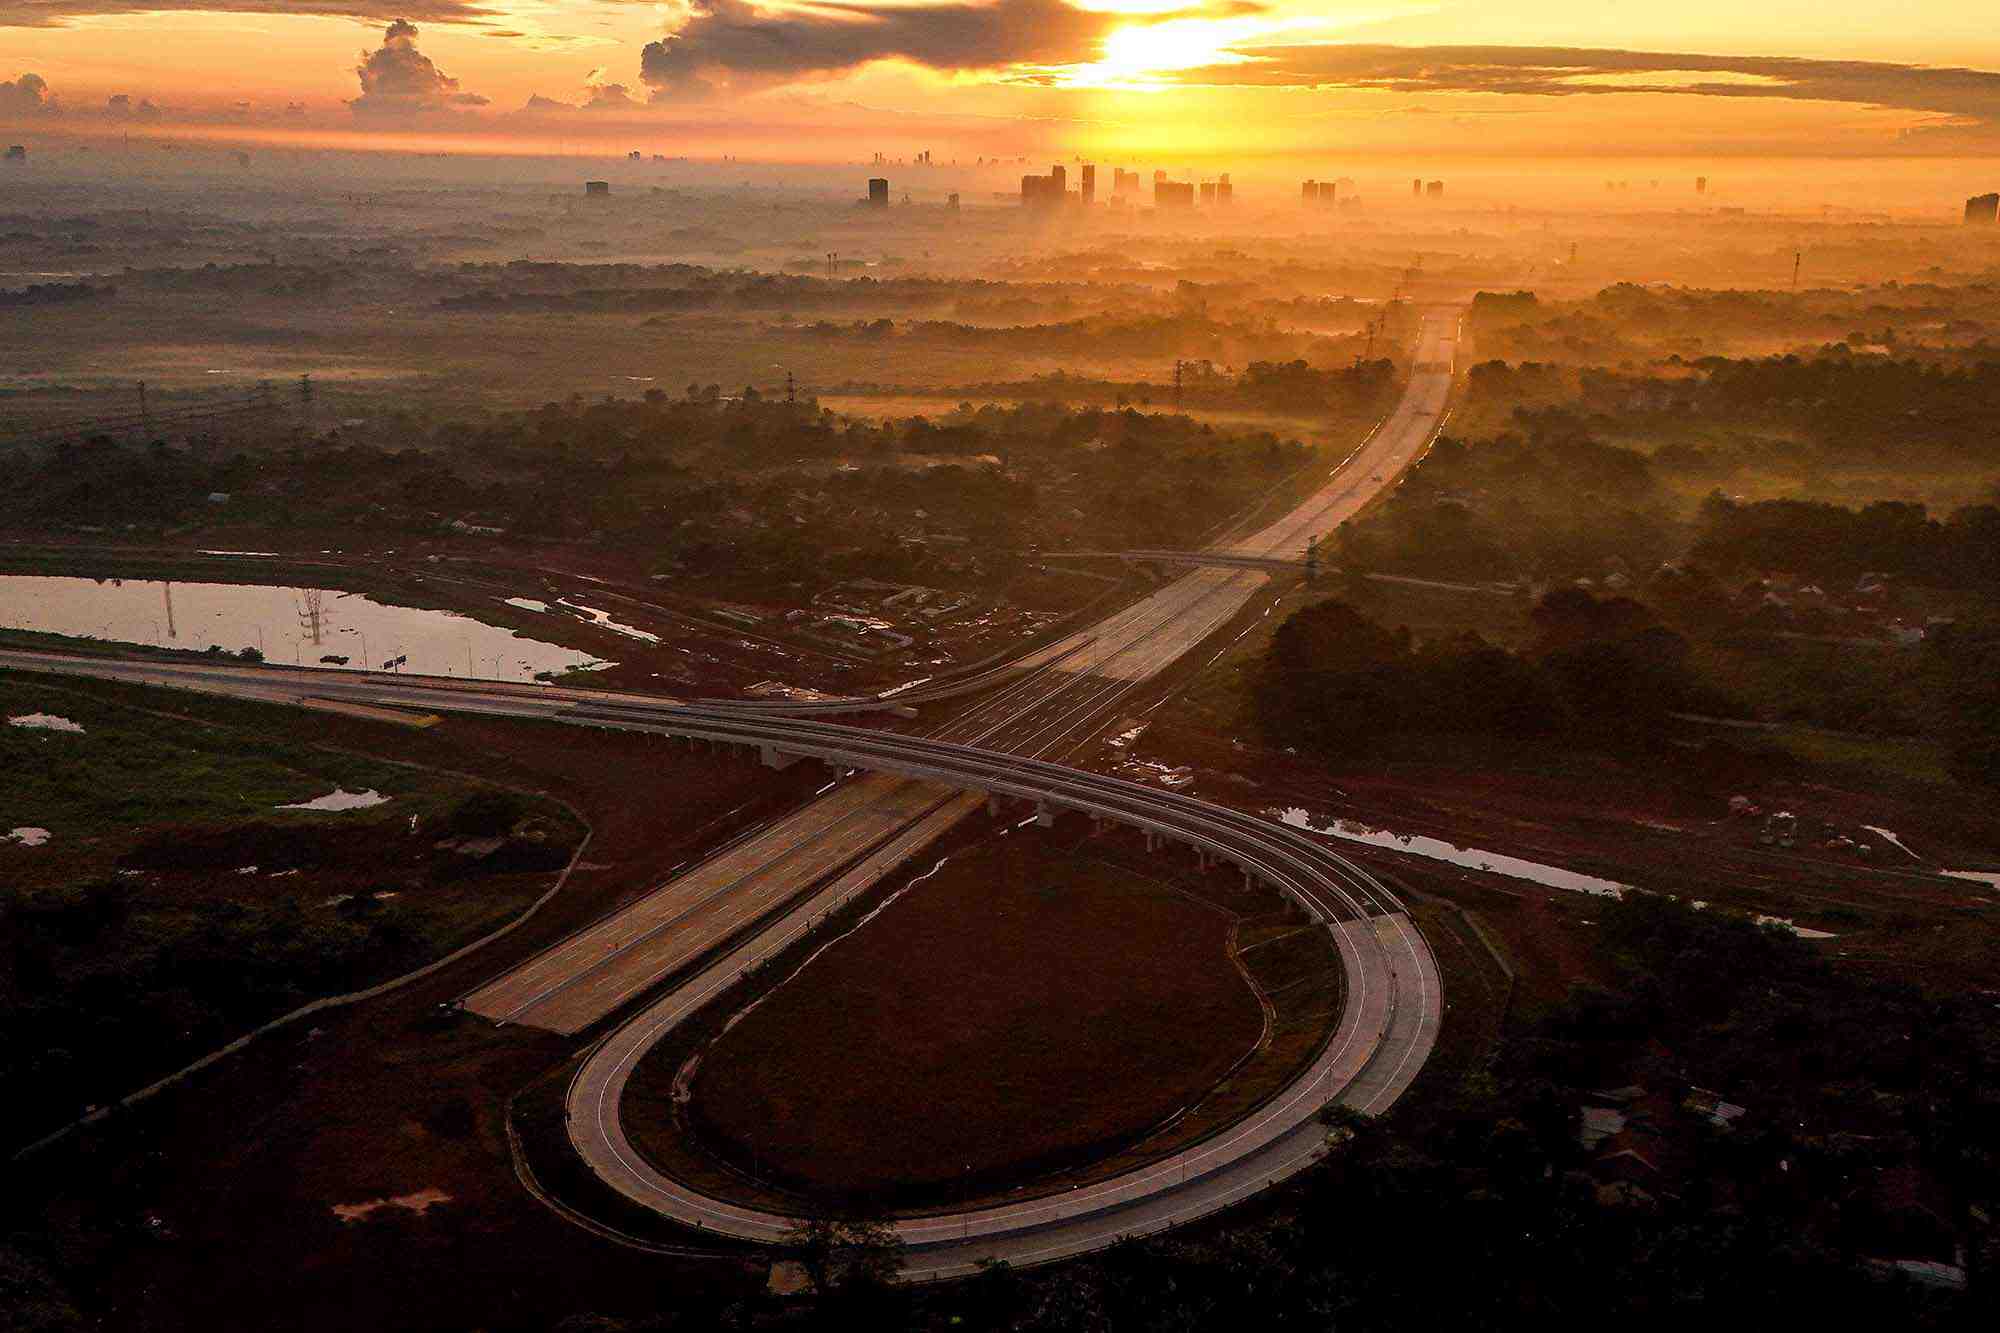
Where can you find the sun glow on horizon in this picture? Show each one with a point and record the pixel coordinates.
(1135, 55)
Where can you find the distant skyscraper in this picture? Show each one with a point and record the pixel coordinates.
(1435, 189)
(1309, 192)
(597, 188)
(951, 203)
(1701, 185)
(1043, 191)
(1982, 209)
(1208, 194)
(1061, 179)
(1416, 189)
(878, 192)
(1225, 193)
(1087, 183)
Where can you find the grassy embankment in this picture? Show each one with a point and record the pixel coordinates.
(174, 906)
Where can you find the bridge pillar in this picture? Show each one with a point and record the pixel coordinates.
(775, 758)
(1045, 815)
(993, 807)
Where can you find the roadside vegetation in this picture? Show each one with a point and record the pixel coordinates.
(168, 903)
(754, 492)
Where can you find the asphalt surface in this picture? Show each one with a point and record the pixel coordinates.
(835, 848)
(595, 971)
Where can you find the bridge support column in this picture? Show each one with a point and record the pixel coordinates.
(775, 758)
(1045, 815)
(993, 807)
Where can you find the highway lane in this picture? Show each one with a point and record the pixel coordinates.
(1055, 699)
(1387, 1025)
(587, 976)
(1053, 704)
(1387, 1028)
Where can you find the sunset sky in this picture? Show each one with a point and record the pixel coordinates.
(1272, 77)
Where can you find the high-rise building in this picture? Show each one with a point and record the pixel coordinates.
(951, 203)
(1701, 185)
(878, 192)
(1208, 194)
(1982, 208)
(1172, 194)
(1045, 191)
(1087, 184)
(1225, 193)
(1309, 192)
(1416, 189)
(1061, 179)
(1435, 189)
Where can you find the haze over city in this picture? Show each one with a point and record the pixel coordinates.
(1004, 665)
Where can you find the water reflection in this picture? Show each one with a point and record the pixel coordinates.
(313, 627)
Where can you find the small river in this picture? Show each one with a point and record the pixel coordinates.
(293, 626)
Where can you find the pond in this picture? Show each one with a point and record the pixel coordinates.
(290, 626)
(1471, 858)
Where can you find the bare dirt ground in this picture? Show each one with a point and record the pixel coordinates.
(1046, 1008)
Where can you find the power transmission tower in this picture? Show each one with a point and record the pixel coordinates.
(1798, 257)
(312, 615)
(1178, 364)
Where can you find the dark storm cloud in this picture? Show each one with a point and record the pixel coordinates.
(609, 97)
(732, 41)
(58, 13)
(24, 96)
(398, 79)
(1555, 71)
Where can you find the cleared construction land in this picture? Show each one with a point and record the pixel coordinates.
(1040, 1002)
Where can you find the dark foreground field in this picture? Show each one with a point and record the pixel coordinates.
(352, 1171)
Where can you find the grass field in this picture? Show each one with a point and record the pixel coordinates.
(164, 904)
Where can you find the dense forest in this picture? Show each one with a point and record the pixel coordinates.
(704, 480)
